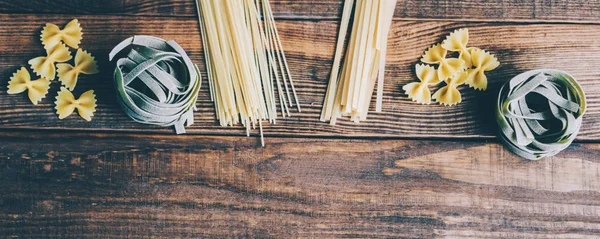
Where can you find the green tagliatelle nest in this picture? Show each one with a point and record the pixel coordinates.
(540, 113)
(156, 82)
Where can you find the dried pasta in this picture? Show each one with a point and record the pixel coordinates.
(447, 67)
(44, 65)
(84, 64)
(247, 68)
(457, 41)
(540, 112)
(156, 81)
(469, 68)
(66, 104)
(419, 91)
(449, 94)
(350, 92)
(482, 62)
(21, 81)
(71, 35)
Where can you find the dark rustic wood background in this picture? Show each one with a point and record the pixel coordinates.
(411, 172)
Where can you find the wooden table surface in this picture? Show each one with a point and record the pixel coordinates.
(411, 172)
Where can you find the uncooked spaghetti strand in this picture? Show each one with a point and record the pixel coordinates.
(285, 62)
(277, 61)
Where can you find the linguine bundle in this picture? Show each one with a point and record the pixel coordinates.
(156, 82)
(351, 88)
(540, 113)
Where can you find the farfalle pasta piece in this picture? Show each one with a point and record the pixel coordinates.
(21, 81)
(84, 63)
(457, 41)
(482, 62)
(71, 35)
(419, 91)
(449, 94)
(44, 65)
(66, 104)
(447, 67)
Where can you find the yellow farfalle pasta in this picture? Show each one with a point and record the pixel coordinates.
(447, 67)
(482, 62)
(21, 81)
(469, 69)
(84, 63)
(44, 65)
(449, 94)
(71, 35)
(419, 91)
(457, 41)
(66, 104)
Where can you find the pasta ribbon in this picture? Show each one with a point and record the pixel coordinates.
(84, 63)
(447, 67)
(70, 35)
(44, 65)
(156, 81)
(482, 61)
(21, 81)
(419, 91)
(540, 112)
(457, 41)
(66, 104)
(449, 94)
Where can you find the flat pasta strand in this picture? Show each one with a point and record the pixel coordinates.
(84, 64)
(21, 82)
(350, 92)
(66, 104)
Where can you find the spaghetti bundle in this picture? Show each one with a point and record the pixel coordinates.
(245, 62)
(350, 91)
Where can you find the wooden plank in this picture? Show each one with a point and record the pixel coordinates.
(309, 45)
(479, 10)
(135, 186)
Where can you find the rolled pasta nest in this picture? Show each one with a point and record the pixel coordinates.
(540, 112)
(156, 82)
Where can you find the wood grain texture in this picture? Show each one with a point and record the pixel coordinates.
(519, 47)
(113, 178)
(478, 10)
(136, 186)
